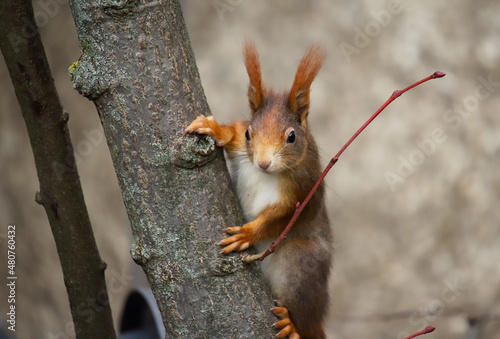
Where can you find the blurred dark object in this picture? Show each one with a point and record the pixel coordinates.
(141, 318)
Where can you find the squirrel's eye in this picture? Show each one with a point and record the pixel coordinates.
(291, 137)
(247, 135)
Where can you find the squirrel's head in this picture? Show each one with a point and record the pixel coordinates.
(278, 137)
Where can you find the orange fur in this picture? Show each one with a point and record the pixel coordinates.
(307, 70)
(285, 325)
(231, 136)
(255, 90)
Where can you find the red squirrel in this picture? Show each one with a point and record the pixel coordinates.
(274, 162)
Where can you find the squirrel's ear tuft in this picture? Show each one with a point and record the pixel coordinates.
(298, 100)
(255, 91)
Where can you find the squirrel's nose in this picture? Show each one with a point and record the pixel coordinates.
(265, 164)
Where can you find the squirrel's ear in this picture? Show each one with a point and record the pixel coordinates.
(298, 100)
(255, 92)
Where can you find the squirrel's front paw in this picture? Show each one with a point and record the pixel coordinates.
(241, 240)
(206, 125)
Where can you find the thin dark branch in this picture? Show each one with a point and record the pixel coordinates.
(60, 189)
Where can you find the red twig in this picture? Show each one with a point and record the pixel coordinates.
(299, 207)
(426, 330)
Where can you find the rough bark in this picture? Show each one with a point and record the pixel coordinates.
(138, 67)
(60, 190)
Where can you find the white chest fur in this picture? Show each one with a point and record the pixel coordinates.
(256, 189)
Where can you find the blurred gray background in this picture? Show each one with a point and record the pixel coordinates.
(413, 202)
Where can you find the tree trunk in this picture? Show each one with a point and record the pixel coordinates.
(60, 190)
(138, 67)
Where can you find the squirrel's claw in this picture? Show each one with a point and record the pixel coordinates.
(285, 325)
(200, 125)
(208, 126)
(240, 241)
